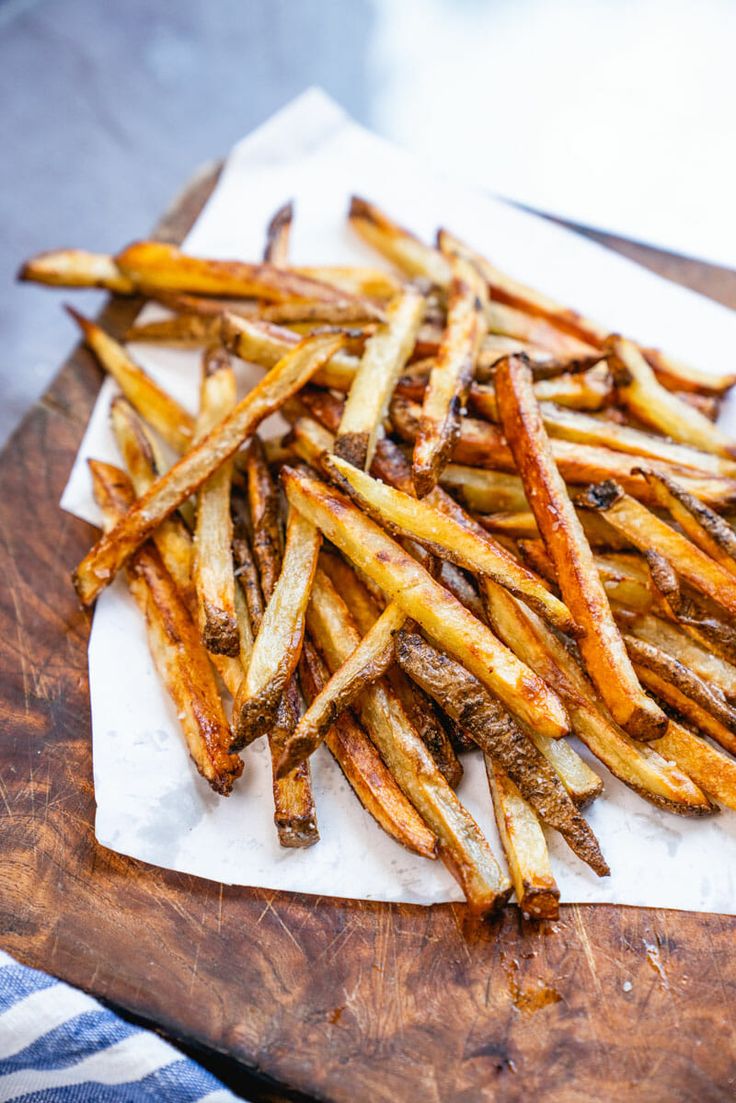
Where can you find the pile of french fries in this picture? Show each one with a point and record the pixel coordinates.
(492, 525)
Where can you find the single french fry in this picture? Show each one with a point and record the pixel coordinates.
(640, 391)
(100, 565)
(491, 727)
(403, 249)
(709, 767)
(246, 570)
(450, 377)
(581, 391)
(688, 708)
(710, 532)
(278, 643)
(601, 646)
(160, 267)
(423, 599)
(214, 580)
(525, 848)
(675, 641)
(265, 343)
(677, 376)
(625, 578)
(165, 415)
(448, 537)
(276, 250)
(637, 765)
(265, 509)
(370, 660)
(384, 358)
(76, 268)
(655, 659)
(356, 279)
(511, 322)
(174, 642)
(294, 812)
(646, 531)
(186, 331)
(462, 847)
(364, 768)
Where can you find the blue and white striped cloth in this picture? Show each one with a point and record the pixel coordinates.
(58, 1045)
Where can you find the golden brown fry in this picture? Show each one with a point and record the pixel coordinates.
(640, 391)
(160, 267)
(625, 578)
(491, 727)
(265, 510)
(450, 377)
(384, 358)
(525, 848)
(637, 765)
(666, 667)
(265, 344)
(364, 768)
(174, 642)
(246, 570)
(359, 280)
(462, 847)
(675, 641)
(165, 415)
(448, 537)
(646, 531)
(676, 376)
(709, 768)
(186, 331)
(278, 643)
(370, 661)
(511, 322)
(294, 813)
(601, 645)
(276, 250)
(423, 599)
(214, 580)
(710, 532)
(589, 390)
(76, 268)
(404, 250)
(302, 315)
(100, 565)
(685, 706)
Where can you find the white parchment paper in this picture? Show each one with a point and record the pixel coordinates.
(151, 804)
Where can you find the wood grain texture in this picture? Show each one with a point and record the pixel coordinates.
(341, 1001)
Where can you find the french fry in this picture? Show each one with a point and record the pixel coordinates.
(625, 578)
(522, 525)
(153, 265)
(186, 331)
(303, 314)
(265, 510)
(589, 390)
(710, 532)
(423, 599)
(278, 643)
(99, 566)
(404, 250)
(450, 377)
(508, 321)
(293, 802)
(265, 344)
(637, 765)
(654, 659)
(384, 358)
(370, 661)
(676, 376)
(214, 581)
(364, 768)
(462, 847)
(447, 537)
(276, 251)
(676, 642)
(688, 708)
(491, 727)
(646, 531)
(601, 646)
(525, 848)
(357, 279)
(165, 415)
(640, 391)
(246, 570)
(174, 642)
(709, 768)
(76, 268)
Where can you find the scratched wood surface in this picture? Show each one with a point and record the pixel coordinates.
(336, 1000)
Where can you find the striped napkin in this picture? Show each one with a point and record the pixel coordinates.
(58, 1045)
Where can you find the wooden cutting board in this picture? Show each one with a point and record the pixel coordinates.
(339, 1000)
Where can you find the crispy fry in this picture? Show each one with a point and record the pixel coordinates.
(404, 250)
(294, 813)
(276, 251)
(214, 580)
(384, 358)
(440, 614)
(265, 344)
(186, 331)
(508, 321)
(446, 536)
(246, 570)
(653, 658)
(589, 390)
(711, 533)
(639, 390)
(637, 765)
(676, 376)
(99, 566)
(461, 845)
(525, 848)
(370, 660)
(265, 509)
(278, 643)
(601, 646)
(676, 642)
(450, 377)
(709, 768)
(625, 578)
(364, 768)
(355, 279)
(165, 415)
(487, 722)
(76, 268)
(646, 531)
(159, 267)
(174, 642)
